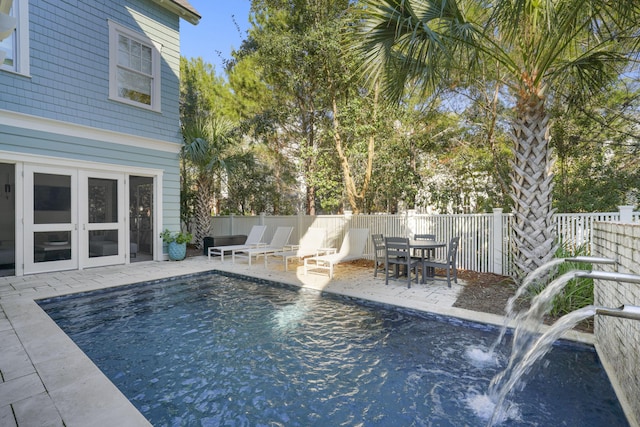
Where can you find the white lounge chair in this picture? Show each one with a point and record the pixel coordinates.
(278, 242)
(352, 248)
(310, 243)
(253, 240)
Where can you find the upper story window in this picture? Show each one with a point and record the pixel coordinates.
(134, 68)
(14, 42)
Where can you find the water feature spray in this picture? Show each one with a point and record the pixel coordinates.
(529, 347)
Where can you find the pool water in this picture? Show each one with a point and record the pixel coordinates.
(213, 350)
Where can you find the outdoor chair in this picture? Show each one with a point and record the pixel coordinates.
(378, 253)
(448, 263)
(352, 248)
(424, 253)
(253, 240)
(310, 243)
(398, 254)
(278, 242)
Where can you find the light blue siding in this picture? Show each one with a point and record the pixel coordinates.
(69, 56)
(69, 82)
(27, 141)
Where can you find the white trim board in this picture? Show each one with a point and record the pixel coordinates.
(14, 157)
(37, 123)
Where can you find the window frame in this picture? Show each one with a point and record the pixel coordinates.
(21, 64)
(115, 31)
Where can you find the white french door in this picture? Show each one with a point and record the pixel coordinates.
(102, 219)
(50, 219)
(73, 219)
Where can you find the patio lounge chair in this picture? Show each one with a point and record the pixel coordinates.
(253, 239)
(309, 245)
(277, 244)
(448, 263)
(352, 248)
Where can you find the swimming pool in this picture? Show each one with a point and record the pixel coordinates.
(212, 350)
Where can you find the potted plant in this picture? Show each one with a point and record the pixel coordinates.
(176, 243)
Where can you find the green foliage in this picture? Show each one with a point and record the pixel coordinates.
(188, 194)
(293, 87)
(578, 292)
(178, 236)
(327, 183)
(598, 149)
(202, 92)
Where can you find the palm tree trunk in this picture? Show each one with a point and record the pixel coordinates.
(532, 185)
(203, 208)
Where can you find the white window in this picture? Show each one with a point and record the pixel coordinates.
(14, 36)
(134, 68)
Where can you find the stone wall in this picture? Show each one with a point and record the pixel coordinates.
(618, 340)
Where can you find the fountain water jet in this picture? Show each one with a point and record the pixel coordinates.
(527, 349)
(531, 279)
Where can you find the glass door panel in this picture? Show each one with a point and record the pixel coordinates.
(50, 219)
(102, 219)
(141, 214)
(51, 246)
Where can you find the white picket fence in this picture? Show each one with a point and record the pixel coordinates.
(485, 243)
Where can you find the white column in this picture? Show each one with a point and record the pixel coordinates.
(626, 213)
(411, 223)
(497, 241)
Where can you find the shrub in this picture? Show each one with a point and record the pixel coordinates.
(178, 237)
(578, 292)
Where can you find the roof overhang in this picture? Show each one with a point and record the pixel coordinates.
(182, 8)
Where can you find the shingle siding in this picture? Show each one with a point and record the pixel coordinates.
(69, 55)
(63, 114)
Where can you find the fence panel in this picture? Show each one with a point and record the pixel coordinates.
(482, 248)
(574, 230)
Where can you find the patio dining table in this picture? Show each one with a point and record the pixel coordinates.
(426, 248)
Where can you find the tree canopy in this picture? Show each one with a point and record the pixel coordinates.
(485, 97)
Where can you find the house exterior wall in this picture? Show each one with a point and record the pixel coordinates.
(84, 144)
(59, 112)
(617, 340)
(69, 73)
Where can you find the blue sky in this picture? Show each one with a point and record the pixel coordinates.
(216, 31)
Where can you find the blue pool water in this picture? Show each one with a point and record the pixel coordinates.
(213, 350)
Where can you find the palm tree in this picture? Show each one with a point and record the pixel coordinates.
(539, 49)
(206, 146)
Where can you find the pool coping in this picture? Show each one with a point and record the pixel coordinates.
(48, 380)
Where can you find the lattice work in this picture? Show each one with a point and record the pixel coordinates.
(532, 185)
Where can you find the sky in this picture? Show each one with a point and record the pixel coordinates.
(216, 31)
